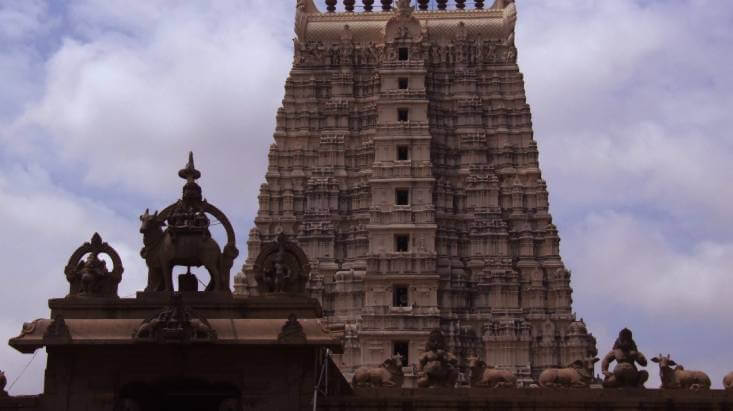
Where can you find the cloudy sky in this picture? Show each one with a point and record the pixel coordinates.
(101, 101)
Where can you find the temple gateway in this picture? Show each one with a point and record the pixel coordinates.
(403, 256)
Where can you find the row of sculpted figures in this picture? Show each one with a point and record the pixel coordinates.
(439, 368)
(319, 54)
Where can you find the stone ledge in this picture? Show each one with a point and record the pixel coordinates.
(536, 399)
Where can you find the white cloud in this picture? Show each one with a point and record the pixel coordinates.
(622, 258)
(42, 225)
(128, 108)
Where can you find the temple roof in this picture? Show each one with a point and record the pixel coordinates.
(39, 333)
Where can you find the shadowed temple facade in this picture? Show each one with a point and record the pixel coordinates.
(404, 164)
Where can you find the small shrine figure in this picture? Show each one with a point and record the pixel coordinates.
(281, 267)
(90, 277)
(438, 366)
(627, 355)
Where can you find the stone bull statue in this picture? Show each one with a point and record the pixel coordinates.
(579, 374)
(728, 381)
(678, 377)
(388, 374)
(162, 253)
(483, 375)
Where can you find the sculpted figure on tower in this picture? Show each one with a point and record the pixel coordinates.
(627, 355)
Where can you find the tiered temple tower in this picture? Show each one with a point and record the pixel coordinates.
(405, 166)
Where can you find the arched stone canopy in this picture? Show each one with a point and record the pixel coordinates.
(281, 267)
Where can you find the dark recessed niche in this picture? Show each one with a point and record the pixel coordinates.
(402, 243)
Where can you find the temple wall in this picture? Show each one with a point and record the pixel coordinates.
(471, 399)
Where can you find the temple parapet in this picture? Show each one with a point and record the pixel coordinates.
(438, 25)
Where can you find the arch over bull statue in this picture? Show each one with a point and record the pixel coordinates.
(186, 240)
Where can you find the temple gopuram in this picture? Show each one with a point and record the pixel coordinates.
(405, 167)
(403, 256)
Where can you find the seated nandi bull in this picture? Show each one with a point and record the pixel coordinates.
(162, 252)
(483, 375)
(579, 374)
(678, 377)
(728, 381)
(388, 374)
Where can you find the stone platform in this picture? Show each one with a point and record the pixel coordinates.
(529, 399)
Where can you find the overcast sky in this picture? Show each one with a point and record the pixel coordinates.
(102, 100)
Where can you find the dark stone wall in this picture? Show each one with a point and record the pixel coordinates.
(537, 399)
(21, 403)
(264, 378)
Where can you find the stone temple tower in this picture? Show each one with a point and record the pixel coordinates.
(404, 165)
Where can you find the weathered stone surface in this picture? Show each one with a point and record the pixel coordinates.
(438, 367)
(186, 241)
(626, 355)
(728, 381)
(476, 399)
(90, 277)
(679, 377)
(404, 166)
(483, 375)
(388, 374)
(579, 374)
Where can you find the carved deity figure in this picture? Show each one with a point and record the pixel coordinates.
(627, 355)
(438, 366)
(282, 267)
(90, 277)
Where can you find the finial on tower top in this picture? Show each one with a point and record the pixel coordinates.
(189, 173)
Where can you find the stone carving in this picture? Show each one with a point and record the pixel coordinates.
(728, 381)
(318, 54)
(483, 375)
(292, 332)
(57, 331)
(626, 355)
(388, 374)
(90, 277)
(176, 323)
(186, 241)
(678, 377)
(281, 267)
(438, 367)
(579, 374)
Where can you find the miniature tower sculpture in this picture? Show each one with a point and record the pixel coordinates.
(404, 165)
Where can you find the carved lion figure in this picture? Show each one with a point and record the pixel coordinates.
(579, 374)
(483, 375)
(388, 374)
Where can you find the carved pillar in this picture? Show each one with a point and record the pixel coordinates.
(479, 4)
(386, 5)
(442, 4)
(423, 4)
(460, 4)
(349, 5)
(368, 5)
(331, 5)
